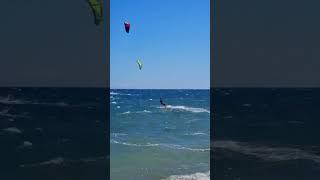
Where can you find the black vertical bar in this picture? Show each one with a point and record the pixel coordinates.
(107, 58)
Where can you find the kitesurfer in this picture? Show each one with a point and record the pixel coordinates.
(161, 102)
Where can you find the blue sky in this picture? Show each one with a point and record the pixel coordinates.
(171, 37)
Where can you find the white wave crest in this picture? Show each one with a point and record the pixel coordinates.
(127, 112)
(118, 134)
(121, 94)
(170, 146)
(144, 111)
(185, 108)
(195, 176)
(195, 134)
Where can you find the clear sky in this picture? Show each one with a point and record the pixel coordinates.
(171, 37)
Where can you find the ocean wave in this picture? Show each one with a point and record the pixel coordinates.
(185, 108)
(123, 94)
(170, 146)
(268, 153)
(129, 112)
(195, 134)
(195, 176)
(118, 134)
(144, 111)
(192, 121)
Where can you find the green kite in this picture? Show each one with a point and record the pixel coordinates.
(139, 64)
(96, 8)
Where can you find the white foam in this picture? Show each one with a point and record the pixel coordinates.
(170, 146)
(128, 112)
(121, 94)
(144, 111)
(185, 108)
(195, 176)
(195, 134)
(132, 144)
(113, 102)
(118, 134)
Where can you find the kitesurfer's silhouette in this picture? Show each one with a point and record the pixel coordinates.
(161, 102)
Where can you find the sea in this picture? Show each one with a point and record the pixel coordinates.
(266, 133)
(63, 133)
(152, 142)
(54, 133)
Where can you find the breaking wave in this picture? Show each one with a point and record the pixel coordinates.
(185, 108)
(195, 134)
(129, 112)
(122, 94)
(118, 134)
(170, 146)
(195, 176)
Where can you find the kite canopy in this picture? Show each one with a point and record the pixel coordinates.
(96, 8)
(139, 64)
(127, 26)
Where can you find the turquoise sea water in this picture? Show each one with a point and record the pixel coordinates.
(148, 141)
